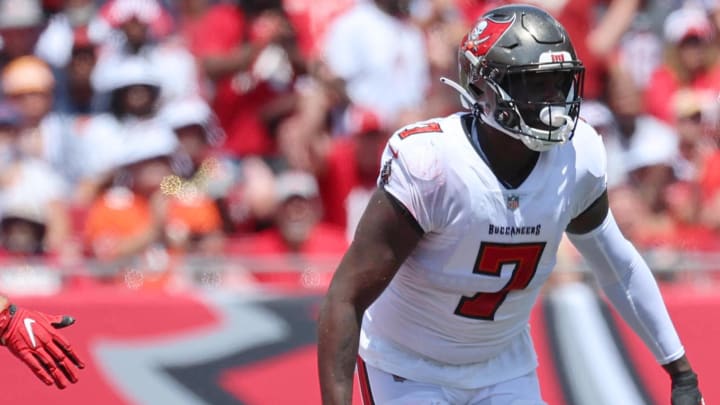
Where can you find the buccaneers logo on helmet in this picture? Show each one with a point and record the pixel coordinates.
(485, 34)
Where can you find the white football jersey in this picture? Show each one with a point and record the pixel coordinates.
(457, 311)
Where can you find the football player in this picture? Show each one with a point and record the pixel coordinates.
(32, 337)
(433, 297)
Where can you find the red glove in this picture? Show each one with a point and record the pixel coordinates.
(31, 336)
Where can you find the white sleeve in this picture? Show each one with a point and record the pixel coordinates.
(630, 286)
(412, 173)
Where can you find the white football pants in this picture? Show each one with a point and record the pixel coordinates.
(380, 388)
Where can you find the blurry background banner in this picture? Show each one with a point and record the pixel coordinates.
(150, 347)
(255, 343)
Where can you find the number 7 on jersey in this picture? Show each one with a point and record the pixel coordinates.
(490, 260)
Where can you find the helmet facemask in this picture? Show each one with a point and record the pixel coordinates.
(538, 104)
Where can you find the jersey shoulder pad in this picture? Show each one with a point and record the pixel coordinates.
(590, 150)
(418, 147)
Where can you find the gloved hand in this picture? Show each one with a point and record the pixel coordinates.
(31, 336)
(685, 389)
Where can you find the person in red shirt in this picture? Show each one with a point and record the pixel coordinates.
(311, 19)
(299, 242)
(348, 173)
(691, 63)
(709, 181)
(250, 56)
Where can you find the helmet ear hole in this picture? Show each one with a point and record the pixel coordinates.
(506, 116)
(475, 90)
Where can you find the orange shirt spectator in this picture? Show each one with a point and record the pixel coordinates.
(118, 215)
(193, 224)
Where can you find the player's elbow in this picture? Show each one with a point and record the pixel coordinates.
(362, 277)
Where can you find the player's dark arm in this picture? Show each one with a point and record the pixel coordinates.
(615, 261)
(385, 236)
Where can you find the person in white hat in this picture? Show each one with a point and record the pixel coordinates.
(113, 139)
(138, 27)
(243, 189)
(33, 197)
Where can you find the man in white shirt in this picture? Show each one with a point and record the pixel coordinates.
(379, 56)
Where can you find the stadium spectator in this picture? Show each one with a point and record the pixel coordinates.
(298, 237)
(348, 173)
(125, 223)
(33, 198)
(20, 25)
(56, 42)
(366, 69)
(298, 226)
(249, 52)
(690, 62)
(635, 129)
(134, 21)
(443, 26)
(311, 20)
(639, 52)
(696, 123)
(29, 83)
(242, 190)
(709, 182)
(112, 138)
(358, 66)
(649, 147)
(75, 95)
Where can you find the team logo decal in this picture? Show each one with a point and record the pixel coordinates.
(555, 57)
(513, 202)
(385, 172)
(485, 34)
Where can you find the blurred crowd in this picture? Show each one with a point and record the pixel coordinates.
(145, 131)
